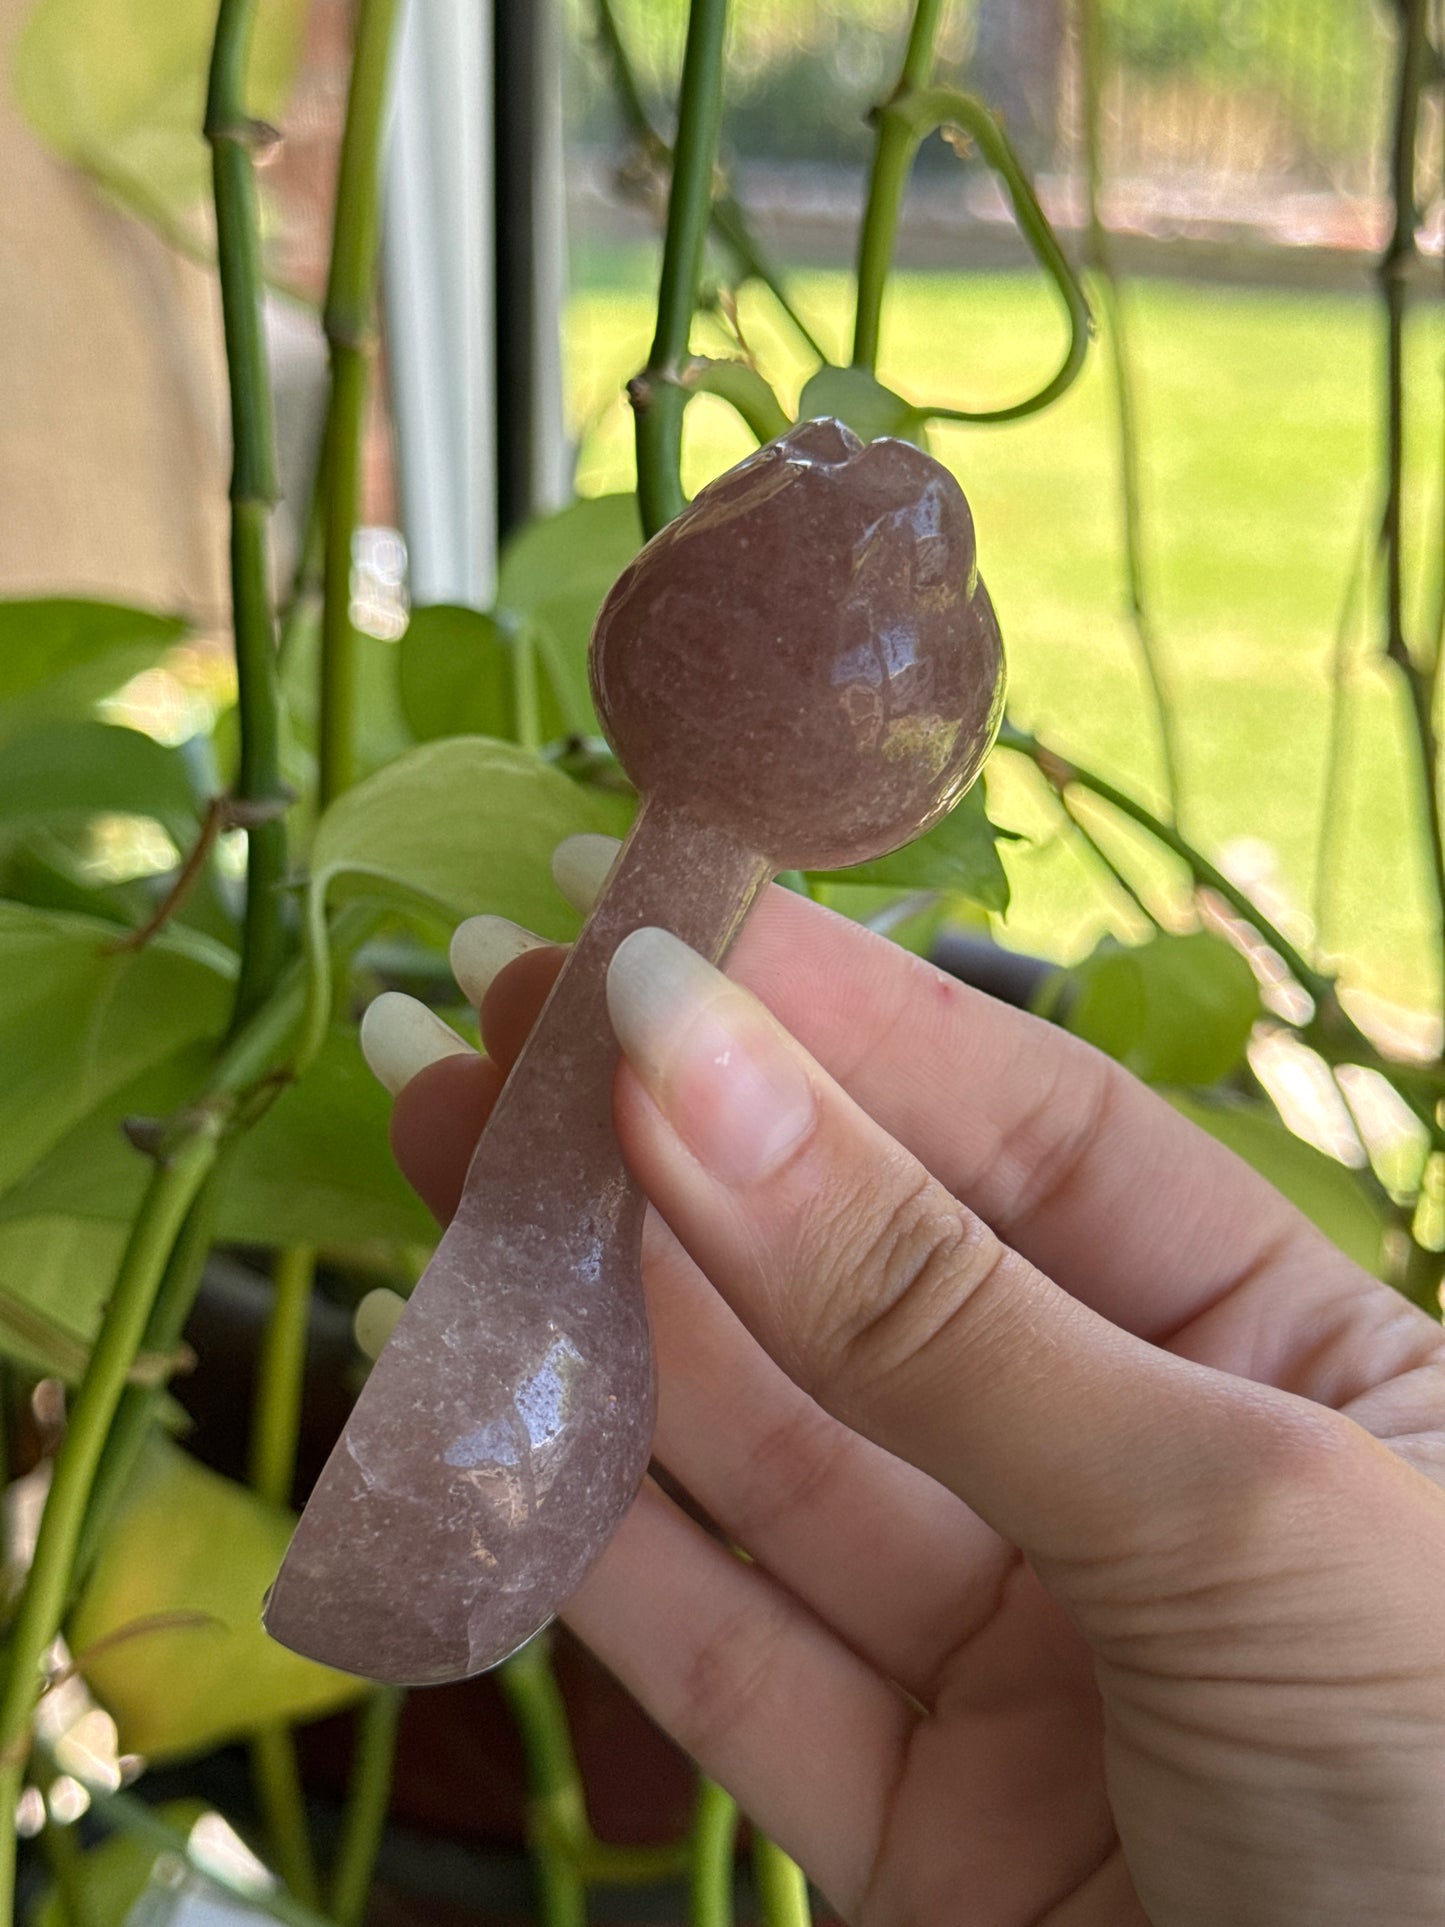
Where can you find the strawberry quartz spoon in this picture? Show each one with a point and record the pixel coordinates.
(803, 671)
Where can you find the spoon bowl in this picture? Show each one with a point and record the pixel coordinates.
(807, 657)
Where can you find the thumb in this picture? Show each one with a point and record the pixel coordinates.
(894, 1305)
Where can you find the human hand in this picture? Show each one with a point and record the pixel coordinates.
(1092, 1497)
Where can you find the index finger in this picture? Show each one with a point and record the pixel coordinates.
(1076, 1164)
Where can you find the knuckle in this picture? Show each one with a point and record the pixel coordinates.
(732, 1674)
(789, 1470)
(893, 1278)
(1295, 1476)
(1045, 1154)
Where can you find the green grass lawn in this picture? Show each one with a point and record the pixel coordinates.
(1261, 456)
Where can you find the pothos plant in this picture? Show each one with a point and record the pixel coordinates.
(182, 1069)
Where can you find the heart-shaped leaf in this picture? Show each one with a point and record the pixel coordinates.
(80, 1019)
(56, 1277)
(959, 855)
(554, 574)
(186, 1542)
(59, 654)
(316, 1169)
(457, 827)
(1176, 1010)
(66, 770)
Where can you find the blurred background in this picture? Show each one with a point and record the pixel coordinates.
(1245, 152)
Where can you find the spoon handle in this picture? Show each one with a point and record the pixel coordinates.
(507, 1425)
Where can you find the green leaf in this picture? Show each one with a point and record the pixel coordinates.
(911, 919)
(381, 728)
(113, 1875)
(63, 770)
(318, 1167)
(79, 1019)
(43, 870)
(56, 1275)
(1175, 1010)
(958, 855)
(856, 397)
(555, 573)
(455, 674)
(119, 88)
(60, 654)
(458, 827)
(560, 631)
(1330, 1194)
(185, 1540)
(93, 1171)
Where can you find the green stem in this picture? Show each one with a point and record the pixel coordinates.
(368, 1797)
(276, 1417)
(1393, 274)
(234, 136)
(526, 688)
(303, 608)
(1336, 745)
(276, 1777)
(782, 1886)
(740, 385)
(728, 217)
(557, 1825)
(1331, 1031)
(275, 1428)
(893, 147)
(714, 1843)
(1126, 421)
(139, 1404)
(920, 112)
(169, 1196)
(349, 322)
(658, 396)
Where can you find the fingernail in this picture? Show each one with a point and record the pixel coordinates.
(580, 865)
(481, 947)
(376, 1318)
(400, 1037)
(731, 1083)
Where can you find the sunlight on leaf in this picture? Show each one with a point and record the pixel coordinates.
(1176, 1010)
(959, 855)
(119, 88)
(457, 827)
(1330, 1194)
(59, 655)
(185, 1540)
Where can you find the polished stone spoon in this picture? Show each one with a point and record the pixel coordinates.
(803, 671)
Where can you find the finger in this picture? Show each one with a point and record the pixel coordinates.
(436, 1120)
(763, 1697)
(883, 1553)
(891, 1303)
(505, 973)
(512, 1002)
(401, 1036)
(1080, 1167)
(444, 1091)
(895, 1563)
